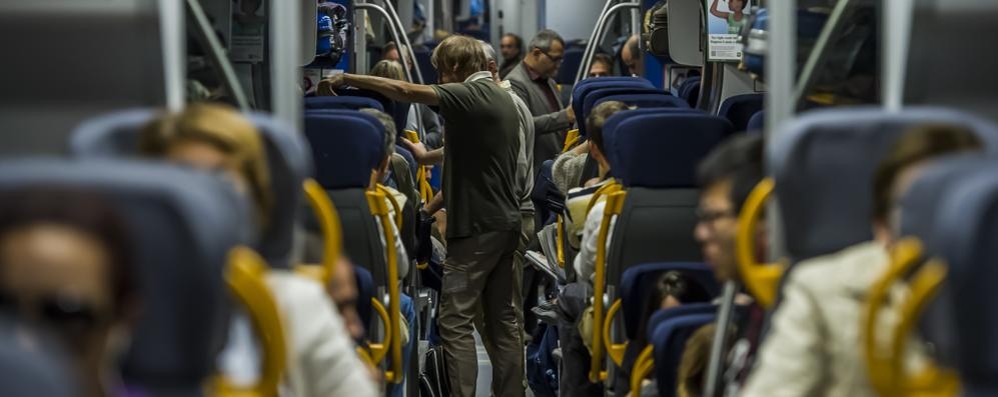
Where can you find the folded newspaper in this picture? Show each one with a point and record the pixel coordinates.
(547, 260)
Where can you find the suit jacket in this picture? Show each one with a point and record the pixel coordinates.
(549, 124)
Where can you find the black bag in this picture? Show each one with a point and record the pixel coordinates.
(433, 379)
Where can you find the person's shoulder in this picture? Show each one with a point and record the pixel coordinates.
(846, 269)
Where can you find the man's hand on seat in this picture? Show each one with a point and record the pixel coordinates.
(328, 86)
(423, 156)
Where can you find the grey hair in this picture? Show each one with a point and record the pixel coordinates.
(544, 38)
(490, 53)
(389, 123)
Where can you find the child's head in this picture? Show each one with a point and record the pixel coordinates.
(737, 5)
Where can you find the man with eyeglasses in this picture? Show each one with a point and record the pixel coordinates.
(533, 80)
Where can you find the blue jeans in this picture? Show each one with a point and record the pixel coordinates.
(409, 311)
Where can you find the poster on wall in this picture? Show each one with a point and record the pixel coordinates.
(248, 19)
(725, 19)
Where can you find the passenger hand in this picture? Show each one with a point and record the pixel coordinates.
(571, 113)
(328, 86)
(418, 149)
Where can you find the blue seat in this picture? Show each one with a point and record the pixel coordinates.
(825, 159)
(669, 341)
(426, 68)
(739, 109)
(184, 223)
(646, 101)
(32, 369)
(342, 102)
(365, 291)
(584, 87)
(398, 110)
(636, 283)
(570, 65)
(689, 90)
(590, 99)
(757, 122)
(288, 161)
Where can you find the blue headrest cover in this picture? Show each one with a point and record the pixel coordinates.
(646, 101)
(739, 109)
(590, 99)
(823, 163)
(581, 90)
(342, 102)
(757, 122)
(347, 145)
(669, 341)
(653, 148)
(638, 281)
(183, 225)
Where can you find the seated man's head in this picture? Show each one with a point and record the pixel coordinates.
(594, 127)
(390, 52)
(632, 56)
(388, 69)
(511, 47)
(726, 177)
(66, 268)
(545, 53)
(381, 173)
(904, 163)
(602, 66)
(214, 138)
(456, 58)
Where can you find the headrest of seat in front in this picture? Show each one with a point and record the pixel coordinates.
(638, 281)
(342, 102)
(347, 146)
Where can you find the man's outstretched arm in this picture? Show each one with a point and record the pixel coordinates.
(395, 90)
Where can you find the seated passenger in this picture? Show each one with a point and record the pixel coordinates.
(433, 136)
(66, 268)
(216, 138)
(726, 177)
(633, 57)
(602, 65)
(812, 346)
(342, 289)
(693, 364)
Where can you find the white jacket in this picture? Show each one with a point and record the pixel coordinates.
(814, 346)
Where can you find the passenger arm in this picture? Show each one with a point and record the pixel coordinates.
(792, 360)
(423, 156)
(714, 11)
(585, 261)
(435, 205)
(552, 122)
(393, 89)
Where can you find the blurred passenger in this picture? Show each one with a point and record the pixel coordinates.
(432, 133)
(812, 346)
(726, 177)
(216, 138)
(693, 364)
(533, 80)
(511, 47)
(66, 267)
(390, 52)
(633, 57)
(483, 207)
(602, 65)
(342, 289)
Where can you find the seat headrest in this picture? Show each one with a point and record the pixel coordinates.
(669, 340)
(183, 224)
(823, 164)
(398, 110)
(739, 109)
(660, 148)
(117, 135)
(646, 101)
(757, 122)
(590, 99)
(342, 102)
(584, 87)
(637, 282)
(346, 146)
(570, 64)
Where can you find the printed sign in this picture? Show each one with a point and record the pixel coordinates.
(725, 20)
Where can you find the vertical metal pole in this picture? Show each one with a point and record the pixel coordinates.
(285, 73)
(217, 54)
(359, 40)
(592, 45)
(896, 28)
(780, 105)
(171, 31)
(715, 367)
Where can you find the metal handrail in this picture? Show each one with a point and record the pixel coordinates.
(206, 36)
(401, 27)
(600, 31)
(818, 55)
(394, 31)
(590, 46)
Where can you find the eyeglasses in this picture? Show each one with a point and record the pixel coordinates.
(707, 216)
(70, 317)
(553, 59)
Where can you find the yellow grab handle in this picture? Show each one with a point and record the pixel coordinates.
(761, 279)
(395, 205)
(570, 139)
(244, 275)
(380, 350)
(560, 243)
(609, 187)
(932, 380)
(614, 350)
(642, 367)
(332, 233)
(614, 204)
(425, 190)
(376, 201)
(365, 357)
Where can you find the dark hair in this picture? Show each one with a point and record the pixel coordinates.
(517, 39)
(604, 59)
(742, 8)
(916, 145)
(83, 211)
(596, 119)
(739, 158)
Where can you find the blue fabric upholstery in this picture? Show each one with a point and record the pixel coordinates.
(365, 291)
(342, 102)
(570, 65)
(757, 122)
(27, 370)
(398, 110)
(689, 90)
(584, 87)
(117, 135)
(346, 146)
(183, 225)
(646, 101)
(823, 163)
(637, 282)
(655, 149)
(669, 341)
(739, 109)
(589, 102)
(426, 68)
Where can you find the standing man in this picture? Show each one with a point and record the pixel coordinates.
(633, 57)
(483, 227)
(533, 81)
(511, 47)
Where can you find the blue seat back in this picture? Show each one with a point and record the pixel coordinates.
(739, 109)
(183, 224)
(581, 90)
(637, 282)
(689, 90)
(570, 65)
(757, 122)
(669, 341)
(365, 291)
(823, 163)
(346, 146)
(288, 162)
(426, 68)
(646, 101)
(342, 102)
(591, 98)
(398, 110)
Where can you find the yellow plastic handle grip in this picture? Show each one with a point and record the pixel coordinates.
(614, 350)
(570, 139)
(244, 275)
(376, 201)
(614, 204)
(761, 279)
(380, 350)
(395, 205)
(642, 367)
(332, 232)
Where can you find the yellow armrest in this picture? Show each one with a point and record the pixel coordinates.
(332, 233)
(761, 279)
(376, 201)
(380, 350)
(642, 367)
(244, 275)
(614, 205)
(570, 139)
(395, 205)
(560, 243)
(614, 350)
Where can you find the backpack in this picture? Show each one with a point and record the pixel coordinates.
(542, 369)
(332, 30)
(433, 379)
